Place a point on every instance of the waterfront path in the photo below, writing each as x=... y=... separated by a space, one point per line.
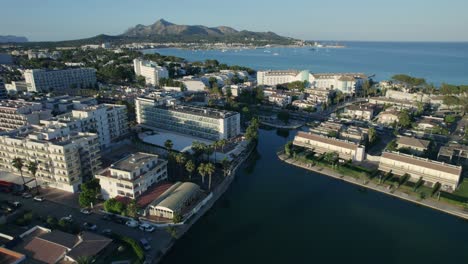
x=431 y=203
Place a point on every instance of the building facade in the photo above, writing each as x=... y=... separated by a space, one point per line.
x=150 y=70
x=270 y=77
x=132 y=175
x=347 y=83
x=429 y=170
x=18 y=113
x=202 y=122
x=39 y=80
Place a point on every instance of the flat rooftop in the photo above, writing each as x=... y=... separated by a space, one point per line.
x=133 y=161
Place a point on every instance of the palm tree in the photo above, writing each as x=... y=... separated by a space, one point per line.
x=168 y=145
x=225 y=164
x=209 y=151
x=190 y=167
x=209 y=169
x=19 y=164
x=32 y=168
x=222 y=143
x=201 y=171
x=84 y=260
x=181 y=159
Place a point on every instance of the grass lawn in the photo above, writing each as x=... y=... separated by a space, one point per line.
x=462 y=189
x=113 y=254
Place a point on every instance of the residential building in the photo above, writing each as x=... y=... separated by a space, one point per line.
x=270 y=77
x=395 y=103
x=19 y=113
x=318 y=96
x=303 y=104
x=359 y=112
x=15 y=87
x=202 y=122
x=63 y=157
x=429 y=170
x=414 y=145
x=388 y=117
x=354 y=134
x=175 y=200
x=11 y=257
x=3 y=91
x=66 y=103
x=43 y=245
x=347 y=83
x=40 y=80
x=132 y=175
x=322 y=144
x=280 y=99
x=193 y=84
x=150 y=70
x=454 y=154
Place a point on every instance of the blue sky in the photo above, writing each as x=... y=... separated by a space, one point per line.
x=398 y=20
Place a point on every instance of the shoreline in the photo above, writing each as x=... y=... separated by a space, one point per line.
x=217 y=194
x=441 y=207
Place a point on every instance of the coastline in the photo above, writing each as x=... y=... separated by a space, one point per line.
x=217 y=192
x=441 y=207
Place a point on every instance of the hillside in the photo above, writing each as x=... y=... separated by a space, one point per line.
x=12 y=39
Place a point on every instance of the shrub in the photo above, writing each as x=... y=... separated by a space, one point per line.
x=132 y=243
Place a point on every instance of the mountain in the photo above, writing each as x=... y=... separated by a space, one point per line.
x=164 y=31
x=11 y=39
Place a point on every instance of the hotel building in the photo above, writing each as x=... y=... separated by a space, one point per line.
x=132 y=175
x=18 y=113
x=202 y=122
x=270 y=77
x=150 y=70
x=39 y=80
x=347 y=83
x=429 y=170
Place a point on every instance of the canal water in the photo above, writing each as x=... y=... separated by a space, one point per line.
x=277 y=213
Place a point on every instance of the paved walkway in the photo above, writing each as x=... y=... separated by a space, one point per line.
x=440 y=206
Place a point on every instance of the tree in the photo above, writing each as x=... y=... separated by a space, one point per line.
x=19 y=164
x=114 y=206
x=392 y=145
x=168 y=145
x=403 y=179
x=404 y=118
x=222 y=143
x=372 y=135
x=190 y=167
x=331 y=157
x=177 y=218
x=181 y=159
x=225 y=164
x=288 y=148
x=201 y=171
x=84 y=260
x=89 y=192
x=32 y=168
x=449 y=119
x=283 y=116
x=251 y=133
x=209 y=169
x=132 y=209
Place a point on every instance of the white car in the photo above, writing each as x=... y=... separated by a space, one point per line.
x=131 y=223
x=67 y=218
x=85 y=211
x=38 y=198
x=146 y=227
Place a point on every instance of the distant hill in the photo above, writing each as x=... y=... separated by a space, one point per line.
x=163 y=31
x=11 y=39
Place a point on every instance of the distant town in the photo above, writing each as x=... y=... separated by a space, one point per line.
x=110 y=154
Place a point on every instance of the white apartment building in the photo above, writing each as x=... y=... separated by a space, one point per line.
x=360 y=112
x=63 y=157
x=150 y=70
x=270 y=77
x=323 y=144
x=348 y=83
x=132 y=175
x=40 y=80
x=202 y=122
x=107 y=120
x=18 y=113
x=318 y=96
x=429 y=170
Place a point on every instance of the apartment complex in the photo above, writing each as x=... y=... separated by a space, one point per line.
x=348 y=83
x=360 y=112
x=202 y=122
x=63 y=157
x=107 y=120
x=270 y=77
x=18 y=113
x=39 y=80
x=132 y=175
x=318 y=96
x=430 y=171
x=3 y=91
x=322 y=144
x=150 y=70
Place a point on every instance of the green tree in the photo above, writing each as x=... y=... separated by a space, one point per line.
x=89 y=192
x=225 y=164
x=449 y=119
x=132 y=209
x=288 y=148
x=404 y=119
x=372 y=135
x=181 y=159
x=177 y=218
x=251 y=132
x=392 y=145
x=190 y=168
x=32 y=168
x=202 y=171
x=168 y=145
x=19 y=164
x=331 y=158
x=209 y=169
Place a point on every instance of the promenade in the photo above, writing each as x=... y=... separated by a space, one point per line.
x=431 y=203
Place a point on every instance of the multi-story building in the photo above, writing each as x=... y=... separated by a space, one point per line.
x=348 y=83
x=323 y=144
x=202 y=122
x=270 y=77
x=454 y=153
x=107 y=120
x=3 y=91
x=318 y=96
x=18 y=113
x=360 y=112
x=388 y=117
x=132 y=175
x=429 y=170
x=150 y=70
x=63 y=157
x=66 y=103
x=40 y=80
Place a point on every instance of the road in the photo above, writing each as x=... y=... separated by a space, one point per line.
x=158 y=239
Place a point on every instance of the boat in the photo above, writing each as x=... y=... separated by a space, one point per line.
x=275 y=54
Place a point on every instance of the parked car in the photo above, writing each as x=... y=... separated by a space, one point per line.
x=106 y=217
x=90 y=226
x=106 y=232
x=119 y=220
x=144 y=243
x=38 y=198
x=146 y=227
x=15 y=204
x=27 y=195
x=85 y=211
x=67 y=218
x=131 y=223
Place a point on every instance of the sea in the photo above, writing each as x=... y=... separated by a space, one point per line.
x=276 y=213
x=437 y=62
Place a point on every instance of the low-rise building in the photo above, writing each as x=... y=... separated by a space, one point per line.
x=323 y=144
x=395 y=103
x=429 y=170
x=388 y=117
x=280 y=99
x=175 y=200
x=414 y=145
x=360 y=112
x=303 y=104
x=132 y=175
x=18 y=113
x=319 y=96
x=454 y=154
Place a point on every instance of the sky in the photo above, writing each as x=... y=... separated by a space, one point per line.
x=365 y=20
